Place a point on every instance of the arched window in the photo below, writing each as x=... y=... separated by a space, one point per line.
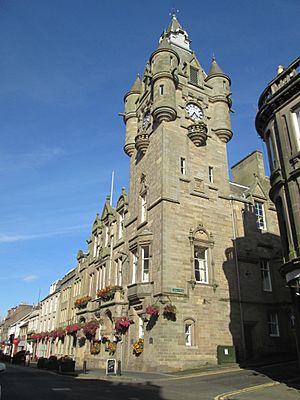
x=189 y=332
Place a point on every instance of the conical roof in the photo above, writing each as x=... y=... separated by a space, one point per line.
x=137 y=86
x=215 y=68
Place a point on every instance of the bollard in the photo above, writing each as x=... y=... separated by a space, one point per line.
x=84 y=367
x=119 y=371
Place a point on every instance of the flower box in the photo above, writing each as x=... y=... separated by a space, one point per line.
x=152 y=310
x=122 y=325
x=82 y=302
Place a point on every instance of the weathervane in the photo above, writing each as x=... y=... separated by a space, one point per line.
x=174 y=11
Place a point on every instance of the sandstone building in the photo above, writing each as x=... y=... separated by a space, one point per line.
x=184 y=270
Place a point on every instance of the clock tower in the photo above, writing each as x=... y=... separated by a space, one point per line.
x=179 y=220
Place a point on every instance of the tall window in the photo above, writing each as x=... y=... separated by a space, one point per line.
x=211 y=174
x=134 y=266
x=143 y=207
x=273 y=326
x=182 y=166
x=141 y=328
x=91 y=284
x=106 y=236
x=121 y=224
x=194 y=75
x=271 y=152
x=200 y=264
x=296 y=122
x=95 y=246
x=118 y=273
x=161 y=90
x=265 y=275
x=260 y=215
x=188 y=333
x=145 y=264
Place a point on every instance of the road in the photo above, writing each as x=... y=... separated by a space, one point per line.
x=23 y=383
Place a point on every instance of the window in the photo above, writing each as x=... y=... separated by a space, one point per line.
x=188 y=334
x=134 y=266
x=91 y=284
x=145 y=264
x=271 y=152
x=273 y=326
x=141 y=328
x=211 y=174
x=103 y=283
x=121 y=224
x=95 y=246
x=260 y=215
x=200 y=264
x=143 y=207
x=161 y=90
x=265 y=275
x=296 y=123
x=194 y=75
x=182 y=166
x=118 y=273
x=106 y=235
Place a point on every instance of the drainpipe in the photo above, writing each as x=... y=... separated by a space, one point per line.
x=236 y=261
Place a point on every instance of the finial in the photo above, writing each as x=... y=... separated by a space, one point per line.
x=280 y=69
x=213 y=57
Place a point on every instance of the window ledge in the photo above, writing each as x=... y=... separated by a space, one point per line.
x=184 y=179
x=142 y=224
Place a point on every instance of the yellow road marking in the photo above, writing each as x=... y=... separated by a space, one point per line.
x=245 y=390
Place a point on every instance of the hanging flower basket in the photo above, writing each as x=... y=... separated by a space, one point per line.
x=152 y=310
x=108 y=293
x=138 y=347
x=111 y=347
x=170 y=312
x=70 y=329
x=95 y=347
x=122 y=325
x=90 y=328
x=82 y=302
x=57 y=333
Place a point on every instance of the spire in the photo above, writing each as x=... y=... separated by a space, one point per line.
x=174 y=25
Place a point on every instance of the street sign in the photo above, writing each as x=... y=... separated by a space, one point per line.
x=111 y=366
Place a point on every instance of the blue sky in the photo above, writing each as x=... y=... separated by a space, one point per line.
x=65 y=66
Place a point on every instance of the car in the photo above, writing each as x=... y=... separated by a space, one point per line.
x=19 y=357
x=2 y=368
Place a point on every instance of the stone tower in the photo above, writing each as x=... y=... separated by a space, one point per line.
x=179 y=221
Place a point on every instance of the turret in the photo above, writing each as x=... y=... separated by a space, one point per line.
x=164 y=63
x=220 y=84
x=130 y=116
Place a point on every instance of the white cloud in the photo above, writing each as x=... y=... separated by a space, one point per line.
x=29 y=278
x=20 y=237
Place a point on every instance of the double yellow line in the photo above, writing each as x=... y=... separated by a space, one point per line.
x=224 y=396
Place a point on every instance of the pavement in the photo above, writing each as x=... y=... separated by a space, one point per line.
x=282 y=386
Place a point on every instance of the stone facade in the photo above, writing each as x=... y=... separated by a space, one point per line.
x=184 y=270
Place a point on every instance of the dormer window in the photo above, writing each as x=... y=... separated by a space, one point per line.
x=194 y=75
x=260 y=215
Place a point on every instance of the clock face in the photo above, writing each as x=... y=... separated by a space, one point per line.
x=194 y=112
x=146 y=120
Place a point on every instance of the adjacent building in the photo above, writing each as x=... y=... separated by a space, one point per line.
x=278 y=123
